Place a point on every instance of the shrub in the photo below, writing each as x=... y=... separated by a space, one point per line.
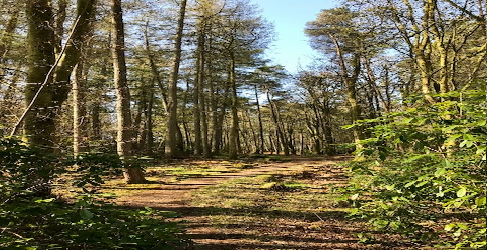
x=30 y=221
x=425 y=168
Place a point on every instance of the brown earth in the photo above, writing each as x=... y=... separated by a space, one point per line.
x=220 y=227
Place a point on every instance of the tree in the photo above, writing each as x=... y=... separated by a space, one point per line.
x=336 y=28
x=173 y=129
x=124 y=119
x=49 y=77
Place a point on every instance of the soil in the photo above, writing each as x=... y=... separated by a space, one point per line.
x=326 y=229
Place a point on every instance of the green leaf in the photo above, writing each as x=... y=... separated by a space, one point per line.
x=86 y=214
x=461 y=192
x=44 y=200
x=408 y=120
x=468 y=137
x=410 y=183
x=453 y=137
x=354 y=197
x=480 y=201
x=450 y=128
x=480 y=150
x=446 y=163
x=449 y=227
x=440 y=172
x=466 y=143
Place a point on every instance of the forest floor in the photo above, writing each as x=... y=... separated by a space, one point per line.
x=267 y=203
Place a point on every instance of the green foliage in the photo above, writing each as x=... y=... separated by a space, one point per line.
x=89 y=169
x=28 y=221
x=24 y=170
x=423 y=174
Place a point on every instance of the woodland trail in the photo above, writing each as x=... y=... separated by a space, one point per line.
x=217 y=226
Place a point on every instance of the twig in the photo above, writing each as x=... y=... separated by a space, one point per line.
x=319 y=217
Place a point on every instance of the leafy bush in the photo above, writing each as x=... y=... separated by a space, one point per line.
x=30 y=221
x=423 y=172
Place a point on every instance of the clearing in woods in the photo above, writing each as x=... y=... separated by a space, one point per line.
x=269 y=203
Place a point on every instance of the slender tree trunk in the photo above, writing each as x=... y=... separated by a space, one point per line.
x=60 y=17
x=278 y=123
x=301 y=140
x=141 y=105
x=172 y=137
x=327 y=131
x=124 y=119
x=148 y=129
x=154 y=70
x=200 y=63
x=80 y=119
x=350 y=81
x=96 y=121
x=260 y=149
x=252 y=131
x=233 y=143
x=7 y=38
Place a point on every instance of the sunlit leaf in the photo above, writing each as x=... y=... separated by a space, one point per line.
x=440 y=172
x=449 y=227
x=480 y=201
x=461 y=192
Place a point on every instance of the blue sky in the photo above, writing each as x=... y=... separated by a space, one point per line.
x=291 y=47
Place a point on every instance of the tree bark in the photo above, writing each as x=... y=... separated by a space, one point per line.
x=279 y=126
x=39 y=126
x=198 y=148
x=80 y=119
x=261 y=148
x=233 y=143
x=124 y=119
x=172 y=138
x=42 y=97
x=350 y=81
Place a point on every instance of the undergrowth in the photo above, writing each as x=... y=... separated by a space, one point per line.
x=32 y=218
x=423 y=172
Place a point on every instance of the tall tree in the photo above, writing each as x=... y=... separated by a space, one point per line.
x=49 y=77
x=39 y=126
x=124 y=120
x=173 y=129
x=336 y=28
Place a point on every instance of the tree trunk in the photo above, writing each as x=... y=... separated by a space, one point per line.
x=124 y=119
x=44 y=98
x=278 y=123
x=350 y=82
x=148 y=128
x=327 y=131
x=172 y=138
x=39 y=126
x=200 y=63
x=72 y=55
x=261 y=148
x=7 y=38
x=233 y=143
x=80 y=119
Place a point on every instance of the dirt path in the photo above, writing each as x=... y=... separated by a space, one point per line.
x=255 y=228
x=174 y=196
